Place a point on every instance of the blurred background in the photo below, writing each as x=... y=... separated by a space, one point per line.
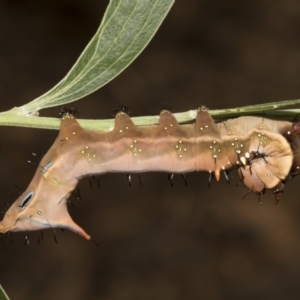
x=156 y=242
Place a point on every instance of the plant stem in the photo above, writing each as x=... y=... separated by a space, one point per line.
x=15 y=117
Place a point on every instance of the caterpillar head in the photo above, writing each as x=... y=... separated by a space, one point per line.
x=268 y=163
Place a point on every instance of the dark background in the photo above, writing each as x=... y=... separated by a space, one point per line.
x=156 y=242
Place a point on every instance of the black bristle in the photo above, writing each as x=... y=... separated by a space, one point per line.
x=184 y=178
x=129 y=179
x=248 y=193
x=54 y=236
x=120 y=108
x=95 y=243
x=76 y=195
x=140 y=181
x=26 y=239
x=259 y=199
x=68 y=110
x=210 y=177
x=226 y=176
x=170 y=178
x=93 y=177
x=168 y=107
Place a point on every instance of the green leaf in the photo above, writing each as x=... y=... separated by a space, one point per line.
x=3 y=295
x=126 y=29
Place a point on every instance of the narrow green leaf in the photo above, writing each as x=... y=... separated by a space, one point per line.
x=3 y=295
x=126 y=29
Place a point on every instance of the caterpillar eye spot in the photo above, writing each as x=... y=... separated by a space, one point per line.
x=26 y=200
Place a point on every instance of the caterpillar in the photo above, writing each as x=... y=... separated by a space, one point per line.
x=264 y=152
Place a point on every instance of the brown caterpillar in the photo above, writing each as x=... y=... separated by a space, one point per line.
x=264 y=151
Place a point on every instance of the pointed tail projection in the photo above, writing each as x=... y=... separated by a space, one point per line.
x=265 y=153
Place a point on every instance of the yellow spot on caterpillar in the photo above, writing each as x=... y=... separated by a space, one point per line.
x=235 y=139
x=206 y=126
x=288 y=132
x=171 y=125
x=247 y=155
x=88 y=153
x=74 y=132
x=180 y=148
x=201 y=128
x=241 y=145
x=238 y=151
x=56 y=179
x=120 y=130
x=135 y=150
x=215 y=156
x=166 y=128
x=126 y=127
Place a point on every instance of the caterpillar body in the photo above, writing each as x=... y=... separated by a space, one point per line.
x=265 y=153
